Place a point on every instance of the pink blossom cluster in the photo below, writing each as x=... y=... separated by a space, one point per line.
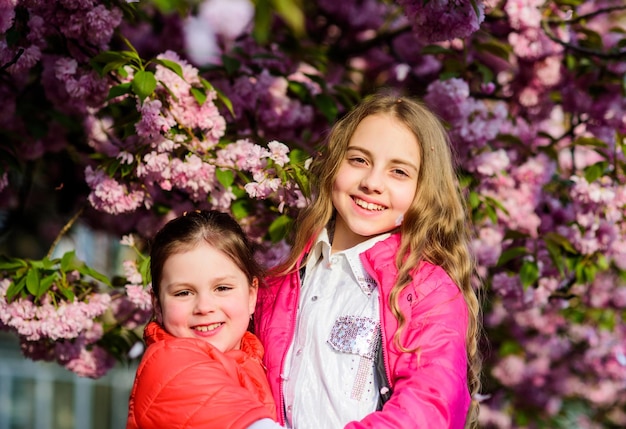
x=61 y=320
x=63 y=331
x=474 y=122
x=264 y=98
x=111 y=196
x=600 y=222
x=184 y=108
x=439 y=20
x=133 y=307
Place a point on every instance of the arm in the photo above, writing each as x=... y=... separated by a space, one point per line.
x=265 y=424
x=430 y=385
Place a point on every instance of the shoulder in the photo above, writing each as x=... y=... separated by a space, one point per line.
x=178 y=357
x=429 y=278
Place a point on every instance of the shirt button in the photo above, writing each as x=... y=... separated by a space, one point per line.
x=314 y=298
x=299 y=352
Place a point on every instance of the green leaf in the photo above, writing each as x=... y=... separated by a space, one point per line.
x=11 y=264
x=485 y=72
x=88 y=271
x=113 y=65
x=510 y=254
x=473 y=199
x=301 y=176
x=67 y=261
x=230 y=64
x=240 y=209
x=144 y=270
x=199 y=95
x=143 y=84
x=298 y=156
x=590 y=141
x=561 y=241
x=591 y=39
x=590 y=270
x=491 y=214
x=15 y=288
x=225 y=177
x=291 y=12
x=45 y=284
x=494 y=47
x=327 y=106
x=262 y=21
x=279 y=228
x=556 y=256
x=172 y=65
x=299 y=89
x=595 y=171
x=67 y=292
x=510 y=347
x=220 y=95
x=118 y=90
x=32 y=281
x=529 y=273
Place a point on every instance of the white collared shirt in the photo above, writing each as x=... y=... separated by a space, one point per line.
x=328 y=379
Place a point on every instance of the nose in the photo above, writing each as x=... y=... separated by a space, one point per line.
x=373 y=181
x=203 y=304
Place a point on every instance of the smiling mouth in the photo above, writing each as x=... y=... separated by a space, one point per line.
x=368 y=206
x=207 y=328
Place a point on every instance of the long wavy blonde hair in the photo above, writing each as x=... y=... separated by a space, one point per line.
x=435 y=227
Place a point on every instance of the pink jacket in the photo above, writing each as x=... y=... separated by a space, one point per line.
x=429 y=386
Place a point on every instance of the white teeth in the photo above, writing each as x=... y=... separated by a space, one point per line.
x=368 y=206
x=207 y=328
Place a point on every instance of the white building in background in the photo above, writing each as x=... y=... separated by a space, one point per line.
x=42 y=395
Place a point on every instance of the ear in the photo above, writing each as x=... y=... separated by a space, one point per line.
x=157 y=314
x=254 y=289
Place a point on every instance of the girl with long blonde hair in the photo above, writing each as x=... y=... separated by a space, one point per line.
x=372 y=321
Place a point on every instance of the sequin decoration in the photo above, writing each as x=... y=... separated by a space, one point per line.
x=356 y=335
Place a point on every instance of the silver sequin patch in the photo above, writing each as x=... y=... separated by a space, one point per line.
x=356 y=335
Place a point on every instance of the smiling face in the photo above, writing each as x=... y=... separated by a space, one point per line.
x=204 y=295
x=376 y=181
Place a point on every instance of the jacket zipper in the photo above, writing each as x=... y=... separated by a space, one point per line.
x=386 y=384
x=301 y=272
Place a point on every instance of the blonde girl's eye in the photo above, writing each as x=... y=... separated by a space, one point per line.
x=182 y=293
x=357 y=160
x=400 y=172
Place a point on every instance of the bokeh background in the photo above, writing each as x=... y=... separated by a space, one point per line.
x=119 y=115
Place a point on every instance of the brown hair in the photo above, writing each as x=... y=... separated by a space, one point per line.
x=218 y=229
x=435 y=227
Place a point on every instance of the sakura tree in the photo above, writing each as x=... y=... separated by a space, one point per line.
x=121 y=115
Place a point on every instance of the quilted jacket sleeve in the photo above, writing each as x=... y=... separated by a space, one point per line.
x=429 y=385
x=181 y=386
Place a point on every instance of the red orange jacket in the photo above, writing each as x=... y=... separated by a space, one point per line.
x=187 y=383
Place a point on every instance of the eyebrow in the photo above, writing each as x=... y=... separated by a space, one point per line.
x=393 y=161
x=217 y=280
